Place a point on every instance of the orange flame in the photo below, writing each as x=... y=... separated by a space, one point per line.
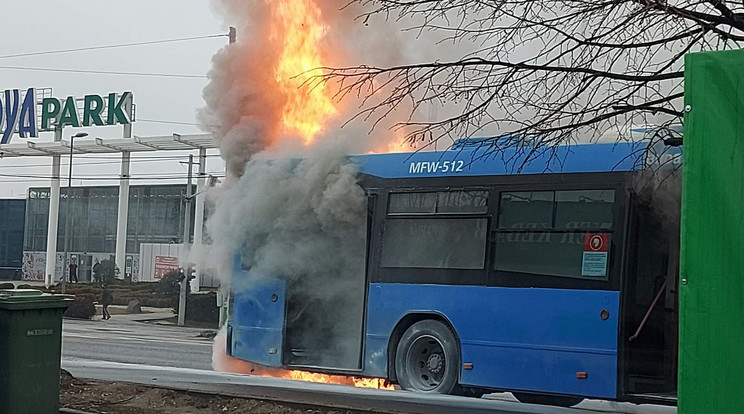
x=378 y=383
x=399 y=143
x=299 y=29
x=225 y=363
x=243 y=367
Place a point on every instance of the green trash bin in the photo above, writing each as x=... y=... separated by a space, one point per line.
x=30 y=351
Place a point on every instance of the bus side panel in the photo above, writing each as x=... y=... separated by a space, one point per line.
x=526 y=339
x=257 y=327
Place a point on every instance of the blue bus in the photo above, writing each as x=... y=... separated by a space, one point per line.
x=552 y=277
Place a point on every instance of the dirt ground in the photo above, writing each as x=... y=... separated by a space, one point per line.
x=122 y=398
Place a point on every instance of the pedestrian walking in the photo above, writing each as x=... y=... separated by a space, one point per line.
x=106 y=299
x=73 y=272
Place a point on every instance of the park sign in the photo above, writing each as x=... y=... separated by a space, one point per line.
x=28 y=112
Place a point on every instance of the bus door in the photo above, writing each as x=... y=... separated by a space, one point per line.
x=650 y=305
x=255 y=332
x=325 y=312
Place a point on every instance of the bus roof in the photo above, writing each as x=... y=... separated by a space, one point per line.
x=484 y=160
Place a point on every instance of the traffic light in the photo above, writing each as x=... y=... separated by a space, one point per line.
x=191 y=272
x=181 y=275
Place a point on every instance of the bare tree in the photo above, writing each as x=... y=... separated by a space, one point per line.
x=545 y=71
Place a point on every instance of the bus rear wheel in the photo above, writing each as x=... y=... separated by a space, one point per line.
x=427 y=358
x=556 y=400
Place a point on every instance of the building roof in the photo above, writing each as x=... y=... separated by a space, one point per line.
x=173 y=142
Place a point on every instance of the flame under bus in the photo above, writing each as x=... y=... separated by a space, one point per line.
x=553 y=279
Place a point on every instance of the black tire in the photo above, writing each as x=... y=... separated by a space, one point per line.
x=427 y=358
x=556 y=400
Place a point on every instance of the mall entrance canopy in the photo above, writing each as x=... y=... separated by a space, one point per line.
x=123 y=146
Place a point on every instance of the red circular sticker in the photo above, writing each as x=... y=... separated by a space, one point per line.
x=596 y=242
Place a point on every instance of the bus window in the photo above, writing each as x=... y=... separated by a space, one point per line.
x=412 y=203
x=547 y=253
x=526 y=210
x=584 y=209
x=462 y=202
x=441 y=202
x=443 y=243
x=555 y=233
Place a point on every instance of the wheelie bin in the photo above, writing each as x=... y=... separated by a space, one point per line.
x=30 y=350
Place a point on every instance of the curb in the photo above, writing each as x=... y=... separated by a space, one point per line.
x=71 y=411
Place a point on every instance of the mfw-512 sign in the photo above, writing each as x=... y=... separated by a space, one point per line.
x=25 y=113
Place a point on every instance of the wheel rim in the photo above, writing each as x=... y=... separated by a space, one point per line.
x=426 y=363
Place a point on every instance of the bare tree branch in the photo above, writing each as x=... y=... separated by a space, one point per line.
x=547 y=71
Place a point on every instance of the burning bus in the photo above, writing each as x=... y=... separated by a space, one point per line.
x=552 y=277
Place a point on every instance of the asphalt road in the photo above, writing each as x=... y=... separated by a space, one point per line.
x=122 y=339
x=125 y=350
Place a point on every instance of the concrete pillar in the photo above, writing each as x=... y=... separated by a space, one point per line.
x=201 y=184
x=123 y=214
x=51 y=250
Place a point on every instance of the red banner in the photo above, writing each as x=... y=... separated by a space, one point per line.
x=164 y=265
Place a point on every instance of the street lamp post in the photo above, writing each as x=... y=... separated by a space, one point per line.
x=68 y=212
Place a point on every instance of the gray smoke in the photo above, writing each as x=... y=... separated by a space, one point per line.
x=242 y=110
x=302 y=221
x=243 y=106
x=660 y=183
x=295 y=213
x=283 y=211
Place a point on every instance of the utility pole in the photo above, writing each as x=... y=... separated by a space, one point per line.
x=186 y=243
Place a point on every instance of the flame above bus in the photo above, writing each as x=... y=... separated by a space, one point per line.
x=298 y=29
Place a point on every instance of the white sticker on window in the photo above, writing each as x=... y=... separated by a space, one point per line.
x=596 y=251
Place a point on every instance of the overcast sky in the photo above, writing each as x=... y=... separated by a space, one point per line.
x=43 y=25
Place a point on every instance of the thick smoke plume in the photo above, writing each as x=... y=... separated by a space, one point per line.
x=291 y=205
x=245 y=99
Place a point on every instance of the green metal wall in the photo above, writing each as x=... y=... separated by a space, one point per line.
x=711 y=370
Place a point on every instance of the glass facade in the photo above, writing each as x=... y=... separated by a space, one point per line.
x=156 y=215
x=12 y=215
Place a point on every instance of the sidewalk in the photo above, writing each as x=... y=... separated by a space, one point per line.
x=119 y=312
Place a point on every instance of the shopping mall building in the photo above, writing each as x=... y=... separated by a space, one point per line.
x=12 y=217
x=155 y=231
x=140 y=227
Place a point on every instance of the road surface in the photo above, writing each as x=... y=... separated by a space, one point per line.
x=122 y=349
x=122 y=339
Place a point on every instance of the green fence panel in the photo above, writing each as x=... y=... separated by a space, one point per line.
x=711 y=369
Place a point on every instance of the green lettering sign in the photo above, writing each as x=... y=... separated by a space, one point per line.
x=49 y=110
x=69 y=115
x=87 y=111
x=92 y=110
x=116 y=114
